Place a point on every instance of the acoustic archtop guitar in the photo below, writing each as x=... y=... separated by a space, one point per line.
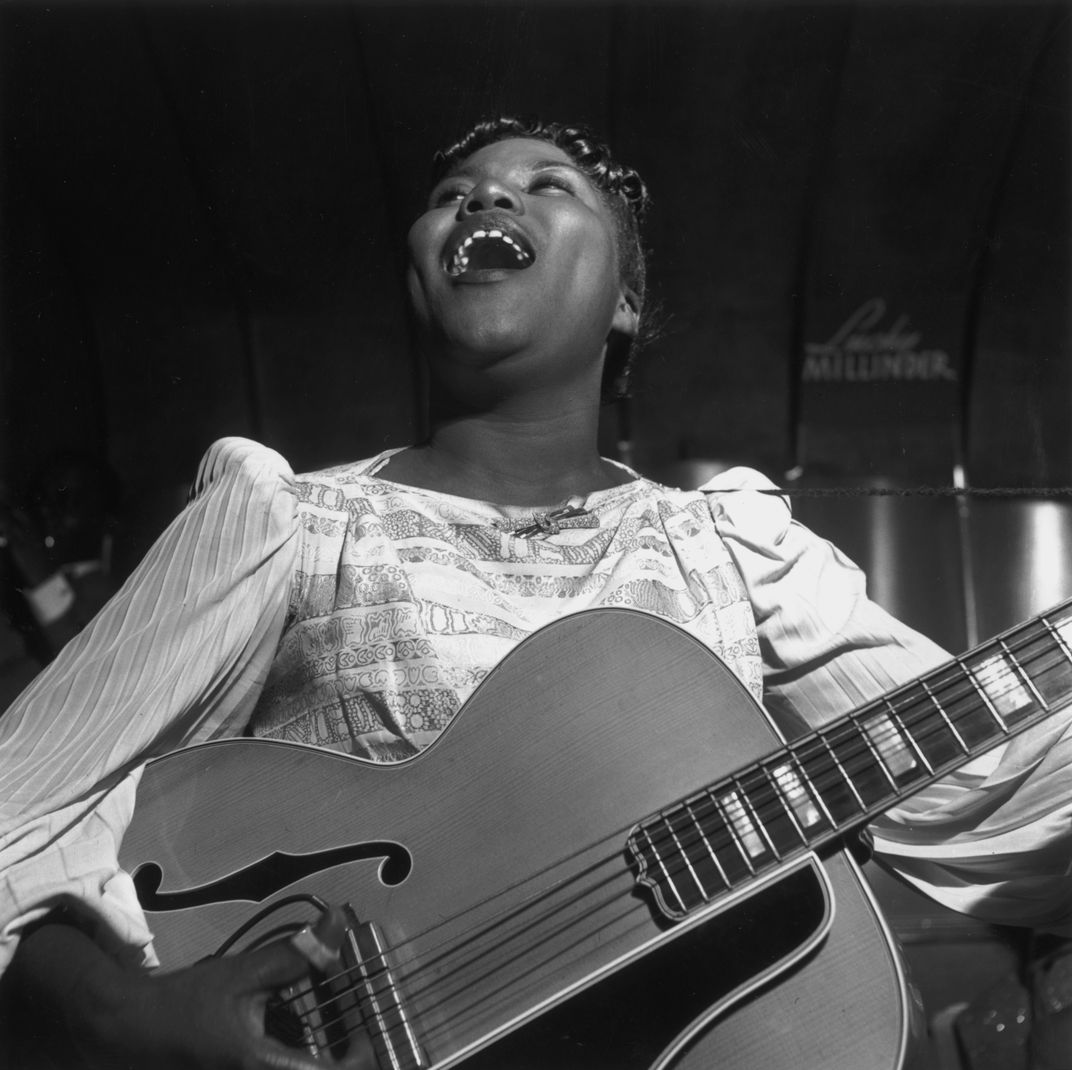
x=610 y=859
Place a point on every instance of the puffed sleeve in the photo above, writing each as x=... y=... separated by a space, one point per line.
x=993 y=839
x=178 y=656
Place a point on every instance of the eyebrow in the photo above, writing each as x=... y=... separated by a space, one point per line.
x=546 y=165
x=537 y=165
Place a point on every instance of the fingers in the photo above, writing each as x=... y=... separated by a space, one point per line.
x=272 y=1055
x=321 y=942
x=277 y=1057
x=284 y=961
x=272 y=967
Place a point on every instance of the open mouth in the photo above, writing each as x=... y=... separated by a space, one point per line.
x=489 y=249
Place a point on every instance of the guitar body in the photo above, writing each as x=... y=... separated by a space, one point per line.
x=494 y=865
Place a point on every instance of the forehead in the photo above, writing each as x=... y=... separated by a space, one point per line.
x=516 y=153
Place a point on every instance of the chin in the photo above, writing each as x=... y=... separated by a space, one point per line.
x=483 y=337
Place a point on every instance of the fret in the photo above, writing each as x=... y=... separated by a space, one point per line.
x=797 y=800
x=1011 y=658
x=775 y=776
x=772 y=815
x=845 y=776
x=835 y=779
x=722 y=876
x=981 y=690
x=1054 y=679
x=825 y=773
x=689 y=899
x=1062 y=631
x=875 y=753
x=742 y=827
x=1001 y=688
x=694 y=869
x=736 y=862
x=811 y=791
x=896 y=718
x=964 y=702
x=889 y=747
x=929 y=729
x=758 y=824
x=849 y=742
x=941 y=713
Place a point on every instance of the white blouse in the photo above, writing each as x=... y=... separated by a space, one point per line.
x=348 y=611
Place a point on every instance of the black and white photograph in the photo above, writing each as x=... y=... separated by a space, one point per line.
x=536 y=535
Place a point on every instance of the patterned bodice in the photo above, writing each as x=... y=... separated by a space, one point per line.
x=403 y=600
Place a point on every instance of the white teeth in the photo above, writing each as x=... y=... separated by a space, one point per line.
x=460 y=261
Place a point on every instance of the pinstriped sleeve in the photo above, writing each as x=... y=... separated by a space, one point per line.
x=826 y=647
x=178 y=656
x=992 y=839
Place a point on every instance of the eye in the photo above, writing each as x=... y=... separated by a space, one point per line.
x=551 y=183
x=448 y=195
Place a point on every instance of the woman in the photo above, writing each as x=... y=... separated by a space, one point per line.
x=358 y=608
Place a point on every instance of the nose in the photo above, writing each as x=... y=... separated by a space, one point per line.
x=491 y=193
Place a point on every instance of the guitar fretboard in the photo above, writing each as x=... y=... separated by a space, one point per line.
x=836 y=779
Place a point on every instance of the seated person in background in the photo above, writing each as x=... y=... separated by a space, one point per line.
x=358 y=608
x=58 y=563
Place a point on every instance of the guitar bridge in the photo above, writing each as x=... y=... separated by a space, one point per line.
x=323 y=1016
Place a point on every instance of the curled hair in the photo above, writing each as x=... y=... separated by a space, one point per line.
x=623 y=191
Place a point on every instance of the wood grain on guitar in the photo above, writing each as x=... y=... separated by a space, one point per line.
x=611 y=858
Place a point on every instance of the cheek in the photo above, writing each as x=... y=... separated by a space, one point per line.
x=595 y=266
x=421 y=243
x=425 y=240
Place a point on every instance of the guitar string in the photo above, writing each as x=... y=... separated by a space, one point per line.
x=480 y=997
x=355 y=1005
x=862 y=758
x=886 y=733
x=863 y=750
x=482 y=962
x=964 y=691
x=451 y=940
x=450 y=937
x=484 y=999
x=637 y=910
x=483 y=1004
x=774 y=802
x=552 y=910
x=911 y=710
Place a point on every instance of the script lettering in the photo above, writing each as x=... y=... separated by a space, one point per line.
x=863 y=350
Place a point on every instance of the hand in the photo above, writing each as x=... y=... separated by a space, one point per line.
x=212 y=1015
x=89 y=1012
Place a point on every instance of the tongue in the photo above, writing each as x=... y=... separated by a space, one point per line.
x=486 y=253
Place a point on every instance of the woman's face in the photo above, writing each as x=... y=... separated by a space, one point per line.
x=516 y=253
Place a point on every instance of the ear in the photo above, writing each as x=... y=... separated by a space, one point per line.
x=627 y=312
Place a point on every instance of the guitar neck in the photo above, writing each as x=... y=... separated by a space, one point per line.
x=836 y=779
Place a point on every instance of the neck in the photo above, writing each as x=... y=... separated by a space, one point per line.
x=511 y=456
